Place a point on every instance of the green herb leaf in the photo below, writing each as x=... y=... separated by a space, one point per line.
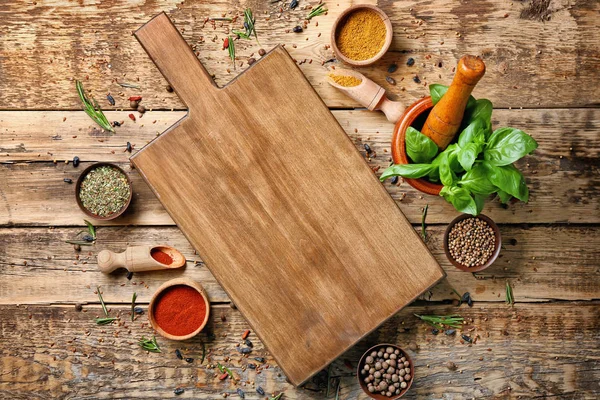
x=507 y=145
x=509 y=295
x=419 y=147
x=479 y=202
x=149 y=345
x=407 y=171
x=318 y=10
x=460 y=198
x=447 y=176
x=102 y=301
x=133 y=305
x=91 y=228
x=482 y=110
x=437 y=91
x=508 y=179
x=231 y=50
x=437 y=321
x=278 y=397
x=474 y=132
x=92 y=109
x=468 y=154
x=225 y=369
x=423 y=226
x=105 y=321
x=476 y=181
x=504 y=197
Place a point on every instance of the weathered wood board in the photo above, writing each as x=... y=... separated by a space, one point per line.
x=529 y=351
x=531 y=62
x=562 y=173
x=542 y=263
x=244 y=178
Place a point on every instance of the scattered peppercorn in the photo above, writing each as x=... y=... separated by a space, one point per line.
x=78 y=307
x=466 y=298
x=116 y=123
x=410 y=62
x=241 y=393
x=129 y=276
x=293 y=4
x=435 y=331
x=67 y=180
x=260 y=391
x=134 y=104
x=244 y=350
x=416 y=79
x=75 y=161
x=251 y=60
x=260 y=359
x=129 y=148
x=189 y=360
x=178 y=391
x=297 y=29
x=141 y=109
x=450 y=332
x=249 y=343
x=110 y=99
x=138 y=310
x=169 y=88
x=392 y=68
x=368 y=149
x=467 y=338
x=178 y=354
x=261 y=52
x=88 y=238
x=394 y=180
x=252 y=366
x=390 y=80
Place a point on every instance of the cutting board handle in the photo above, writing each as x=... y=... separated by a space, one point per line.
x=174 y=58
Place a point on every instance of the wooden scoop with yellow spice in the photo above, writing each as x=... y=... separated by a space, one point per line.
x=366 y=92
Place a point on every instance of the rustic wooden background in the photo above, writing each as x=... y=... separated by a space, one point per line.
x=543 y=60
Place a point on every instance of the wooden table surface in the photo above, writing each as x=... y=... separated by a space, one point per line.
x=543 y=68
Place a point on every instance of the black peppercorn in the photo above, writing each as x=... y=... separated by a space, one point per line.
x=75 y=161
x=410 y=62
x=297 y=29
x=392 y=68
x=416 y=79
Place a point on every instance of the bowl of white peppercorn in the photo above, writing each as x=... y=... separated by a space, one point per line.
x=472 y=243
x=385 y=372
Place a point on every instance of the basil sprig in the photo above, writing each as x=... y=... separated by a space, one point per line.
x=478 y=165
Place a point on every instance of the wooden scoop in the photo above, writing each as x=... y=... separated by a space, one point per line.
x=445 y=117
x=369 y=94
x=138 y=259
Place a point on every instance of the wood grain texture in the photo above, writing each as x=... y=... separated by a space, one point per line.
x=530 y=63
x=528 y=351
x=563 y=175
x=242 y=177
x=542 y=263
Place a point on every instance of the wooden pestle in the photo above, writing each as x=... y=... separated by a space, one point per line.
x=445 y=117
x=138 y=259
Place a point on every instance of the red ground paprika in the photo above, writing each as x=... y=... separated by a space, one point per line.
x=161 y=256
x=179 y=310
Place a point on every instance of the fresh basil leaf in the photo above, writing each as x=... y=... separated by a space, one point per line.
x=482 y=111
x=477 y=182
x=452 y=153
x=419 y=147
x=468 y=154
x=504 y=197
x=508 y=179
x=474 y=132
x=447 y=176
x=460 y=198
x=479 y=202
x=407 y=171
x=507 y=145
x=437 y=91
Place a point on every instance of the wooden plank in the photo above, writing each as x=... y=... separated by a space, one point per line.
x=528 y=351
x=530 y=63
x=542 y=263
x=562 y=174
x=249 y=191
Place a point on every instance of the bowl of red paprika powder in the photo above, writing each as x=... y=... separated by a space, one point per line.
x=179 y=309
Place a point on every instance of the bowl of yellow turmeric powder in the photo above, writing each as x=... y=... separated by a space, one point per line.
x=361 y=35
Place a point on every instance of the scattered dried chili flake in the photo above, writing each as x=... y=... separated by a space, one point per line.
x=132 y=117
x=245 y=334
x=135 y=98
x=223 y=376
x=226 y=43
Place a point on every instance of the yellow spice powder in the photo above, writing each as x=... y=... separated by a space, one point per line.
x=361 y=35
x=345 y=80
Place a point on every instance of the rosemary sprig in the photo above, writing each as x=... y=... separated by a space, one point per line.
x=277 y=397
x=133 y=305
x=423 y=233
x=318 y=10
x=231 y=49
x=509 y=294
x=225 y=369
x=93 y=110
x=240 y=34
x=203 y=353
x=328 y=380
x=105 y=321
x=102 y=301
x=337 y=392
x=249 y=27
x=127 y=85
x=452 y=321
x=149 y=344
x=91 y=229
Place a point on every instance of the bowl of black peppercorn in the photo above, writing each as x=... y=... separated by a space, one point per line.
x=385 y=372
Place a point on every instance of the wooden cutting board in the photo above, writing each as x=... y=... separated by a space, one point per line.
x=285 y=212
